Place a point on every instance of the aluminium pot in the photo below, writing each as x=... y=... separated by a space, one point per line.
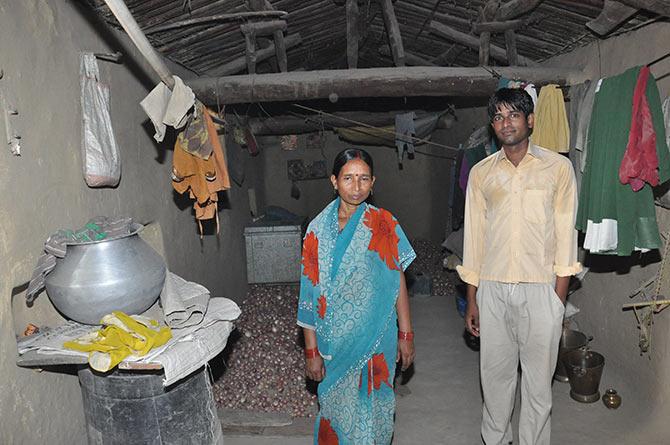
x=98 y=277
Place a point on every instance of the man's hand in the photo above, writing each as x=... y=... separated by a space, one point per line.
x=472 y=317
x=314 y=368
x=562 y=285
x=405 y=354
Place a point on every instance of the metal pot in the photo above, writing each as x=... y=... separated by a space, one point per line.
x=570 y=340
x=96 y=278
x=584 y=368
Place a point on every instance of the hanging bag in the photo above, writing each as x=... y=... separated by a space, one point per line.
x=100 y=154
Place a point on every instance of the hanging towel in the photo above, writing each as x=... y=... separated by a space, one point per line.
x=404 y=132
x=551 y=129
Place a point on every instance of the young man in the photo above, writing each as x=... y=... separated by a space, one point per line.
x=520 y=249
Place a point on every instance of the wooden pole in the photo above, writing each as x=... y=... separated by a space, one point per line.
x=250 y=41
x=216 y=18
x=278 y=125
x=410 y=59
x=263 y=28
x=510 y=46
x=352 y=33
x=515 y=8
x=393 y=32
x=370 y=82
x=125 y=18
x=473 y=42
x=239 y=64
x=478 y=28
x=280 y=44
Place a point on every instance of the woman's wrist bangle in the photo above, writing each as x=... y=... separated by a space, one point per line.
x=409 y=336
x=311 y=353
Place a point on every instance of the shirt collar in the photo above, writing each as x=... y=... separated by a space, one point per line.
x=533 y=150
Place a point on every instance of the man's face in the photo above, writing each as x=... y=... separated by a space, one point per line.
x=511 y=126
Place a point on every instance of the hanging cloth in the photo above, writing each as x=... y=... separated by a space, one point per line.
x=603 y=199
x=551 y=129
x=202 y=178
x=640 y=163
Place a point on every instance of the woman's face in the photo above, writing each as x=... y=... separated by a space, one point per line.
x=354 y=182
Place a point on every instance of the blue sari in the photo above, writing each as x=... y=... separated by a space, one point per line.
x=349 y=285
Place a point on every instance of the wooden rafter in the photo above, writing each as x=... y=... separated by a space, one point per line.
x=352 y=33
x=516 y=8
x=239 y=64
x=472 y=42
x=488 y=12
x=410 y=58
x=393 y=32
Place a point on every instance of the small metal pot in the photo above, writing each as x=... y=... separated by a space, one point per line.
x=611 y=399
x=98 y=277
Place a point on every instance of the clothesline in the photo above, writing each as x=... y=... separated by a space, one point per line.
x=380 y=129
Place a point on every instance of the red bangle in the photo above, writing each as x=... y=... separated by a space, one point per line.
x=311 y=353
x=409 y=336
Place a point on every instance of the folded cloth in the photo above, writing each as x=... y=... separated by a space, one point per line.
x=184 y=302
x=122 y=335
x=193 y=346
x=96 y=229
x=165 y=107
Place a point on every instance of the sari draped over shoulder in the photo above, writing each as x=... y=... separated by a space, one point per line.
x=349 y=286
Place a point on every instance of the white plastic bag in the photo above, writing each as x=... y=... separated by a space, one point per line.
x=100 y=154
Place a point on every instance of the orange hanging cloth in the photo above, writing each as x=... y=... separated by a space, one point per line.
x=202 y=178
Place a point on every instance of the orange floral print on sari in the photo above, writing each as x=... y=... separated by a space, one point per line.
x=378 y=373
x=322 y=307
x=327 y=435
x=384 y=240
x=310 y=258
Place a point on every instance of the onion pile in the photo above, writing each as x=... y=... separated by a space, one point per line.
x=428 y=260
x=266 y=365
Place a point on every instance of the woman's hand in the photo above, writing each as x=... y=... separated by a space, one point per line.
x=314 y=368
x=405 y=353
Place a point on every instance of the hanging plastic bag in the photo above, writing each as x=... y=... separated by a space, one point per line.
x=100 y=154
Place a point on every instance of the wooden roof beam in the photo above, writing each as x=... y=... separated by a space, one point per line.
x=393 y=32
x=410 y=58
x=371 y=82
x=239 y=64
x=516 y=8
x=352 y=33
x=473 y=42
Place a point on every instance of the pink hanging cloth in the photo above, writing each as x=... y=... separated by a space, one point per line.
x=640 y=161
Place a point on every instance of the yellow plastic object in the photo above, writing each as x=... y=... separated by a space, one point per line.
x=121 y=336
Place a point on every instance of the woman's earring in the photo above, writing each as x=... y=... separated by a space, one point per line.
x=372 y=192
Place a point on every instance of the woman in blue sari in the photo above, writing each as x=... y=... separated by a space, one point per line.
x=354 y=308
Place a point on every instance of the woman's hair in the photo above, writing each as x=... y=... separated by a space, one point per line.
x=515 y=99
x=347 y=155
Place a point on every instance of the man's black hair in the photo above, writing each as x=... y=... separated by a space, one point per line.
x=515 y=99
